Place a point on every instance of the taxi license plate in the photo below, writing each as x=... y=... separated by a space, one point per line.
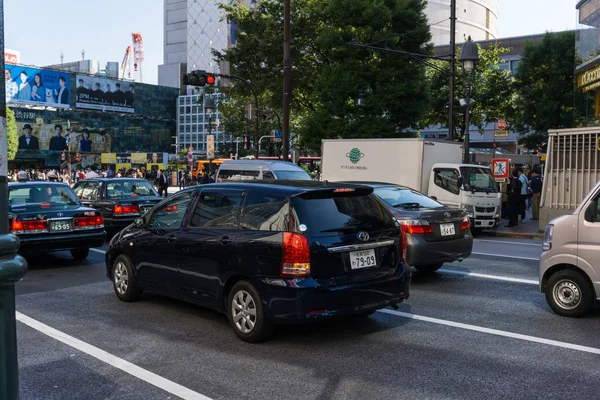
x=362 y=259
x=447 y=229
x=60 y=226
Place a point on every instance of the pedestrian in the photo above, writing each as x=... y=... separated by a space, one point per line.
x=524 y=192
x=514 y=200
x=163 y=184
x=536 y=189
x=180 y=179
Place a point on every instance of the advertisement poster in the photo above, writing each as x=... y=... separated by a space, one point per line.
x=109 y=158
x=138 y=158
x=34 y=86
x=3 y=148
x=54 y=137
x=104 y=94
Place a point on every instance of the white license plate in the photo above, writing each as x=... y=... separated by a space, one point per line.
x=447 y=229
x=362 y=259
x=60 y=226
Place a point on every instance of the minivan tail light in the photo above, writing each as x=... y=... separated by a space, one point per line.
x=466 y=223
x=126 y=210
x=547 y=243
x=295 y=261
x=415 y=226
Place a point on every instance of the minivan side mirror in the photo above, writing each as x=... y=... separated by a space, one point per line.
x=590 y=212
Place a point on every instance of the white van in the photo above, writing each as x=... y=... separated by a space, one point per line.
x=238 y=170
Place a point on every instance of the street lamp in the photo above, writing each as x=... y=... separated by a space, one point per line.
x=469 y=55
x=209 y=108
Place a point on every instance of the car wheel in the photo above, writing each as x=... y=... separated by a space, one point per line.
x=80 y=254
x=569 y=294
x=428 y=268
x=124 y=280
x=246 y=315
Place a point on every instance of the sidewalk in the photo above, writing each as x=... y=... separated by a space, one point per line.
x=527 y=229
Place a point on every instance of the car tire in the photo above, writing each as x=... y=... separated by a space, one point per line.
x=427 y=269
x=80 y=254
x=123 y=280
x=246 y=313
x=569 y=294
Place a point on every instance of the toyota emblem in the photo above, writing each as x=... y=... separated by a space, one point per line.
x=364 y=236
x=447 y=214
x=60 y=214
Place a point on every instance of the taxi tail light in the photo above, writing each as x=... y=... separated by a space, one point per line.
x=415 y=226
x=404 y=244
x=466 y=223
x=126 y=210
x=295 y=260
x=33 y=226
x=92 y=222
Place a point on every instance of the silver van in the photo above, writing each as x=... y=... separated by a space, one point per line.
x=238 y=170
x=570 y=262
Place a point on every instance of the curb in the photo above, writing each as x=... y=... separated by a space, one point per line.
x=514 y=235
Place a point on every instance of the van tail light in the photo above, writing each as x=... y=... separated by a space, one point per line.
x=404 y=244
x=466 y=223
x=32 y=226
x=415 y=226
x=295 y=261
x=92 y=222
x=121 y=210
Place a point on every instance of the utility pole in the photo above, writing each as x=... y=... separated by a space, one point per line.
x=287 y=78
x=12 y=266
x=452 y=68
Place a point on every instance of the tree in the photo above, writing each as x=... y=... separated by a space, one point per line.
x=545 y=86
x=339 y=90
x=11 y=133
x=491 y=90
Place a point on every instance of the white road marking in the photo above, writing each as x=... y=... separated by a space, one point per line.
x=509 y=242
x=99 y=251
x=124 y=365
x=504 y=256
x=485 y=276
x=490 y=331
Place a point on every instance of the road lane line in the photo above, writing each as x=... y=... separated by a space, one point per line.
x=124 y=365
x=490 y=331
x=485 y=276
x=509 y=242
x=98 y=251
x=502 y=255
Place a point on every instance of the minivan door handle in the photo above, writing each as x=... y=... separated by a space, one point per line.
x=225 y=241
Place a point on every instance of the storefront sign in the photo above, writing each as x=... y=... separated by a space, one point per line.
x=589 y=79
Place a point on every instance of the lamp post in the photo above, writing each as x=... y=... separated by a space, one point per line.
x=469 y=55
x=209 y=108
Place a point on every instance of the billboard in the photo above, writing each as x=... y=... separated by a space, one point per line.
x=57 y=137
x=104 y=94
x=34 y=86
x=12 y=56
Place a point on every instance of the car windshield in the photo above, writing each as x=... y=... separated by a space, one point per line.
x=129 y=188
x=478 y=180
x=405 y=198
x=292 y=175
x=31 y=198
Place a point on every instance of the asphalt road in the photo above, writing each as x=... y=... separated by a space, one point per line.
x=476 y=330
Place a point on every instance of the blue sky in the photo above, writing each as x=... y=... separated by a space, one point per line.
x=42 y=29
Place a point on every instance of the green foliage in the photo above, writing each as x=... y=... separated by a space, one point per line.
x=338 y=90
x=545 y=86
x=491 y=90
x=11 y=132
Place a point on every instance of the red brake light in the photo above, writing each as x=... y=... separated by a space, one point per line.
x=404 y=244
x=45 y=205
x=126 y=210
x=31 y=226
x=466 y=224
x=295 y=261
x=343 y=190
x=93 y=222
x=416 y=227
x=171 y=208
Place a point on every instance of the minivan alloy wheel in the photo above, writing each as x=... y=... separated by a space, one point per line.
x=243 y=311
x=566 y=294
x=121 y=278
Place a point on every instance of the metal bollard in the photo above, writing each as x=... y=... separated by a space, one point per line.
x=12 y=269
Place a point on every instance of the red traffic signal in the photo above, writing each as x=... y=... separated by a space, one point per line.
x=210 y=79
x=199 y=78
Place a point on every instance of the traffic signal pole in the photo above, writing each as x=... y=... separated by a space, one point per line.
x=287 y=79
x=12 y=266
x=452 y=68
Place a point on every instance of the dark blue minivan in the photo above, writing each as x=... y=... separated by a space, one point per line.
x=266 y=252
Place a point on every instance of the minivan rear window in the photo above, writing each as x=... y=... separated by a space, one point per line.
x=341 y=214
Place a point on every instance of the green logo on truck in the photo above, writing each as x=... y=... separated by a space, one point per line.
x=355 y=155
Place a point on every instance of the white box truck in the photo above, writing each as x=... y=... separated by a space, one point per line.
x=430 y=167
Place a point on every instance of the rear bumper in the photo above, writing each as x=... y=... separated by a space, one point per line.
x=66 y=241
x=114 y=225
x=289 y=300
x=421 y=252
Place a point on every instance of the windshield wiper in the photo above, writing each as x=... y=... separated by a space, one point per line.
x=407 y=205
x=341 y=229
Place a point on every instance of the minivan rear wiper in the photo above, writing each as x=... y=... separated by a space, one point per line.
x=407 y=205
x=341 y=229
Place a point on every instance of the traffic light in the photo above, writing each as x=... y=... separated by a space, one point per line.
x=199 y=78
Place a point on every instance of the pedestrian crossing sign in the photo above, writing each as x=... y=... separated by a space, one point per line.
x=500 y=168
